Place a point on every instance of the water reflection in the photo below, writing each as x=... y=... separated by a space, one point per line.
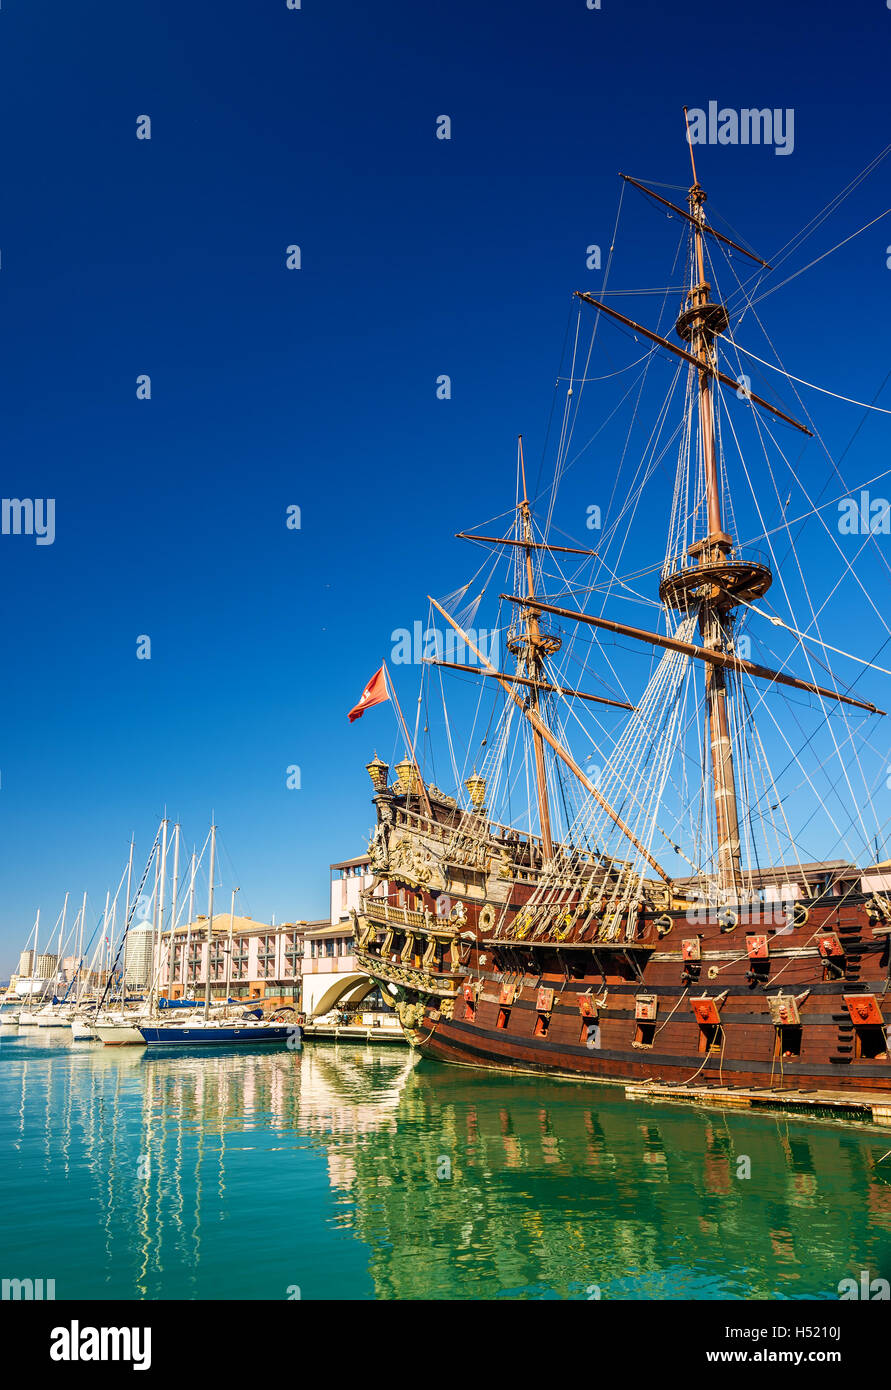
x=353 y=1172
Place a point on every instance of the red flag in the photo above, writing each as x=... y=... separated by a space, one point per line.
x=374 y=693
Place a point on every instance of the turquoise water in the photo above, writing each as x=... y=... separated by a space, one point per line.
x=355 y=1173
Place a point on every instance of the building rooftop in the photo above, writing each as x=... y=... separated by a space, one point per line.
x=352 y=863
x=317 y=930
x=241 y=926
x=833 y=869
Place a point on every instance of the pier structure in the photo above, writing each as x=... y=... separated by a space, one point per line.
x=339 y=996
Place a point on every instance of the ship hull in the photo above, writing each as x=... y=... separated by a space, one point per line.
x=119 y=1034
x=218 y=1036
x=474 y=1046
x=592 y=1029
x=796 y=998
x=786 y=989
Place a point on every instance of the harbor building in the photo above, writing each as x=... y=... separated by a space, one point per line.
x=266 y=961
x=335 y=987
x=35 y=974
x=138 y=955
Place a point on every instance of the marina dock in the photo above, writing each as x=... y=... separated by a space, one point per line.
x=855 y=1105
x=352 y=1032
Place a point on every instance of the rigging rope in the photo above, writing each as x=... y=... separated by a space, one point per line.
x=801 y=382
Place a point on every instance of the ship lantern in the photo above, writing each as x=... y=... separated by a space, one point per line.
x=476 y=786
x=378 y=771
x=407 y=776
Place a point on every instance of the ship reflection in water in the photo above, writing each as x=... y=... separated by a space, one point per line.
x=351 y=1172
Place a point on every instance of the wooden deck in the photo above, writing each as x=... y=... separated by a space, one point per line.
x=856 y=1105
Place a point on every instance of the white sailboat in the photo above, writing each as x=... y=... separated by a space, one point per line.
x=220 y=1030
x=83 y=1017
x=29 y=986
x=117 y=1028
x=56 y=1013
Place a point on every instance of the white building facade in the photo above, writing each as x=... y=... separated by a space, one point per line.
x=332 y=978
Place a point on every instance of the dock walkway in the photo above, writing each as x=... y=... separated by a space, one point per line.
x=352 y=1032
x=857 y=1105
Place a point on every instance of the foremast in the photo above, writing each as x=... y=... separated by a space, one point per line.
x=532 y=646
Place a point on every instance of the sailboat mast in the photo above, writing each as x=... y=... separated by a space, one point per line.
x=127 y=919
x=59 y=951
x=171 y=952
x=231 y=946
x=80 y=953
x=159 y=908
x=173 y=895
x=106 y=952
x=188 y=945
x=701 y=321
x=213 y=847
x=534 y=664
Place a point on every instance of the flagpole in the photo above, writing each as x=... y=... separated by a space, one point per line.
x=410 y=745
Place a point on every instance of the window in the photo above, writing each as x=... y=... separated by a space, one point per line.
x=790 y=1040
x=710 y=1037
x=871 y=1043
x=644 y=1034
x=503 y=1018
x=293 y=952
x=217 y=962
x=542 y=1024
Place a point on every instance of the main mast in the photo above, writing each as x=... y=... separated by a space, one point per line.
x=699 y=324
x=712 y=578
x=716 y=580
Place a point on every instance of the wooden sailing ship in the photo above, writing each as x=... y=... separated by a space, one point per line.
x=578 y=953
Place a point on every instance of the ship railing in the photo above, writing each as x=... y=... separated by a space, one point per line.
x=506 y=835
x=739 y=555
x=384 y=911
x=425 y=978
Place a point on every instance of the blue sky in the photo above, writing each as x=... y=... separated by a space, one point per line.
x=271 y=387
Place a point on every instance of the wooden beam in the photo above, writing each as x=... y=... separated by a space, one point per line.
x=527 y=545
x=567 y=758
x=672 y=644
x=689 y=357
x=525 y=680
x=710 y=231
